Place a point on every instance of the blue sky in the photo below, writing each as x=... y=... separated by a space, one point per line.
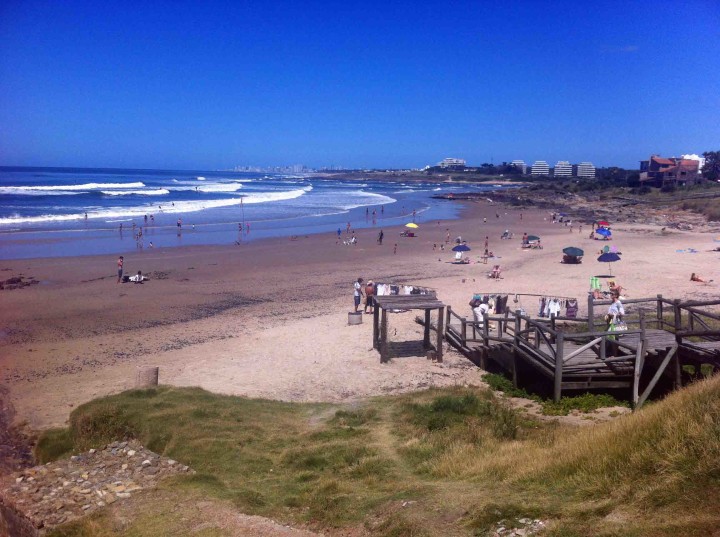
x=209 y=85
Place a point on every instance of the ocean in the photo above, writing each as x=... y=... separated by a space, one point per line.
x=51 y=212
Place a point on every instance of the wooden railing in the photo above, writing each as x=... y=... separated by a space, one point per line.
x=672 y=315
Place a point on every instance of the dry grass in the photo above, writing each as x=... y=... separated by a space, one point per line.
x=439 y=462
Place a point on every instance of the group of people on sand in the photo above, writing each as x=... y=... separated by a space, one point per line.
x=364 y=291
x=137 y=278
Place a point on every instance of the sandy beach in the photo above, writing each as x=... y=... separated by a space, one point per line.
x=269 y=318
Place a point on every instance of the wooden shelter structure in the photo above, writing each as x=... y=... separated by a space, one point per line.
x=388 y=303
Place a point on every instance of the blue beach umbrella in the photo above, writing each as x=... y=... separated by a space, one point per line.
x=461 y=248
x=605 y=232
x=609 y=257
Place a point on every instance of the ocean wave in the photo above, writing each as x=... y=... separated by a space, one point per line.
x=155 y=192
x=180 y=207
x=74 y=188
x=367 y=198
x=21 y=191
x=220 y=187
x=264 y=197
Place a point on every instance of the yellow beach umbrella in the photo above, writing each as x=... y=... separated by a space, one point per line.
x=412 y=225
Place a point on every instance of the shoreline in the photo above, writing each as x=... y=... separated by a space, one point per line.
x=267 y=318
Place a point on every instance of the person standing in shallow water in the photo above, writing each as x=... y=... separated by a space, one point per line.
x=120 y=262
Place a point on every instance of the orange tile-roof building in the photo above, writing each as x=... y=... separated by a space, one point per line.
x=660 y=172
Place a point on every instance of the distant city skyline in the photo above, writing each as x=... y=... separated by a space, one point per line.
x=168 y=85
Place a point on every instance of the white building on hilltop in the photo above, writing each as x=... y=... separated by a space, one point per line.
x=540 y=167
x=586 y=169
x=452 y=163
x=563 y=168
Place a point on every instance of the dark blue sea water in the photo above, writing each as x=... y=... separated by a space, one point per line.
x=48 y=212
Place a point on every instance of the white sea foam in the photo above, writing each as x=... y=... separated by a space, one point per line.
x=74 y=188
x=363 y=198
x=154 y=192
x=221 y=188
x=200 y=178
x=22 y=191
x=180 y=207
x=263 y=197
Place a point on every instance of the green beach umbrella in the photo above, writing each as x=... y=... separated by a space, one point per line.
x=572 y=250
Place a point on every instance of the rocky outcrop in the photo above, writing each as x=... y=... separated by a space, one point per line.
x=17 y=282
x=45 y=496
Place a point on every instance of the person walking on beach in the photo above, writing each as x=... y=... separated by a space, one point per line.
x=120 y=262
x=395 y=249
x=358 y=293
x=380 y=237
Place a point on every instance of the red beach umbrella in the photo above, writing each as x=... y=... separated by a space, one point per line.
x=603 y=223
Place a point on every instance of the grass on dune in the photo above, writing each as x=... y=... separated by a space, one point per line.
x=459 y=459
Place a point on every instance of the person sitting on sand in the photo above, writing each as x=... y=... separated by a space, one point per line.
x=615 y=289
x=696 y=278
x=138 y=278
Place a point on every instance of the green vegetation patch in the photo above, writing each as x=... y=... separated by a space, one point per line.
x=586 y=402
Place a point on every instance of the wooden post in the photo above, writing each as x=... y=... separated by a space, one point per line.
x=639 y=360
x=591 y=321
x=486 y=331
x=376 y=327
x=603 y=348
x=383 y=337
x=558 y=367
x=661 y=321
x=463 y=331
x=516 y=346
x=439 y=348
x=678 y=315
x=552 y=326
x=426 y=332
x=678 y=370
x=147 y=376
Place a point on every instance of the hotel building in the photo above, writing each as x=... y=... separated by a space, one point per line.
x=540 y=167
x=563 y=169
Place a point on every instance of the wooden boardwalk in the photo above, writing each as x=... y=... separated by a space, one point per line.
x=597 y=359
